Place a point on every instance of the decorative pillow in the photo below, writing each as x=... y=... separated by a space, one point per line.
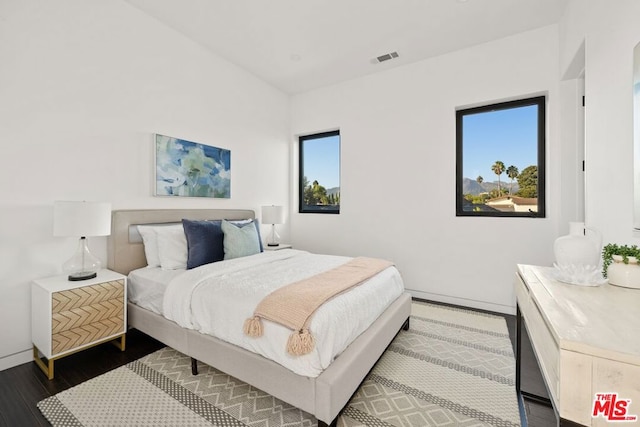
x=172 y=247
x=150 y=240
x=240 y=240
x=243 y=222
x=204 y=242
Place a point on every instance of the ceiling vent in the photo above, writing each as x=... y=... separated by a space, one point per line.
x=385 y=57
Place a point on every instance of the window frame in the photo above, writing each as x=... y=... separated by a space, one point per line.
x=540 y=102
x=302 y=208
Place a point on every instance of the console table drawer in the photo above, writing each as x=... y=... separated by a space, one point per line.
x=546 y=348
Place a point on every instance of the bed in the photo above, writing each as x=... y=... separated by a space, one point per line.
x=323 y=395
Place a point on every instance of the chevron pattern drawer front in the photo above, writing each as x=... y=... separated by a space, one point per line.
x=84 y=315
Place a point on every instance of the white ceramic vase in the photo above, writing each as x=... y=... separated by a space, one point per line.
x=625 y=275
x=576 y=248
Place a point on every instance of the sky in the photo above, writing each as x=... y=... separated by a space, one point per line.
x=322 y=161
x=506 y=135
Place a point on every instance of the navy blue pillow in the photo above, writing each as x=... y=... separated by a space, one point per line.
x=204 y=242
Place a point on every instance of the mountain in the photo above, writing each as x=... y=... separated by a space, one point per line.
x=471 y=186
x=333 y=190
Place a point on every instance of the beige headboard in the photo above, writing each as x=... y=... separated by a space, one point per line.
x=125 y=250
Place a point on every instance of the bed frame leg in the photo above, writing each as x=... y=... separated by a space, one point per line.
x=405 y=326
x=334 y=423
x=194 y=366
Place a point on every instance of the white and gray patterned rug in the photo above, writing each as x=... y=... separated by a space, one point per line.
x=453 y=367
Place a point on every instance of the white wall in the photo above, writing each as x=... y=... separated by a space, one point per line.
x=609 y=31
x=398 y=170
x=83 y=86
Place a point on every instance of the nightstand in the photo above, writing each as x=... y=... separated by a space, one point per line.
x=68 y=316
x=276 y=248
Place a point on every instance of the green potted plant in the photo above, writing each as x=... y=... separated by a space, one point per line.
x=620 y=265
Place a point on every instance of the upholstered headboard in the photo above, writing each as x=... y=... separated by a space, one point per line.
x=124 y=246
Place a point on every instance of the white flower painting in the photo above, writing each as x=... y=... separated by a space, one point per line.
x=189 y=169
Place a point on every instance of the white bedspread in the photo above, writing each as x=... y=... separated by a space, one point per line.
x=216 y=299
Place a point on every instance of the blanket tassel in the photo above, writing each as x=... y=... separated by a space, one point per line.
x=253 y=327
x=300 y=342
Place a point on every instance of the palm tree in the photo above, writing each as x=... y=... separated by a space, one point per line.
x=497 y=168
x=479 y=179
x=512 y=172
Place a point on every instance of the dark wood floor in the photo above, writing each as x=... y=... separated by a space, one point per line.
x=23 y=386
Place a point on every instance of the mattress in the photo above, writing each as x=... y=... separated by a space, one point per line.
x=216 y=299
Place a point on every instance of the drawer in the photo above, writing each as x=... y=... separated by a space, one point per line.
x=522 y=294
x=545 y=347
x=87 y=334
x=86 y=295
x=80 y=316
x=85 y=315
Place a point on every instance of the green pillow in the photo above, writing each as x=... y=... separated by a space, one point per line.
x=240 y=240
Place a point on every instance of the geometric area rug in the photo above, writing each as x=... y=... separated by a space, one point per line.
x=454 y=367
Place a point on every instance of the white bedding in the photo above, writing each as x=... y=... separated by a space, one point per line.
x=216 y=299
x=146 y=286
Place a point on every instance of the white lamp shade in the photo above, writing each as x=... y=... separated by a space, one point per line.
x=81 y=219
x=273 y=215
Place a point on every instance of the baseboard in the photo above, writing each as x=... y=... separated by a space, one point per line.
x=15 y=359
x=465 y=302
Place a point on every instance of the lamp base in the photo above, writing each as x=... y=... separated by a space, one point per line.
x=83 y=265
x=274 y=239
x=82 y=275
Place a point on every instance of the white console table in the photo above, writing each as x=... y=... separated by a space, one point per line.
x=586 y=341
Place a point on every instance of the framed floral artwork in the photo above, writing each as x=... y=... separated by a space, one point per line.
x=191 y=169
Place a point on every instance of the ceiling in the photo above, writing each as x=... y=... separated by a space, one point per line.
x=299 y=45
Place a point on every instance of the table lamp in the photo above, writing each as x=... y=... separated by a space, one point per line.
x=273 y=215
x=81 y=219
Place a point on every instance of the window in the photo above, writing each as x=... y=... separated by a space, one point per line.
x=320 y=173
x=500 y=159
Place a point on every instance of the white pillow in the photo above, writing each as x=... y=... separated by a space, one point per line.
x=150 y=240
x=172 y=247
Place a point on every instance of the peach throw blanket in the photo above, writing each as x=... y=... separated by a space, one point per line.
x=294 y=304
